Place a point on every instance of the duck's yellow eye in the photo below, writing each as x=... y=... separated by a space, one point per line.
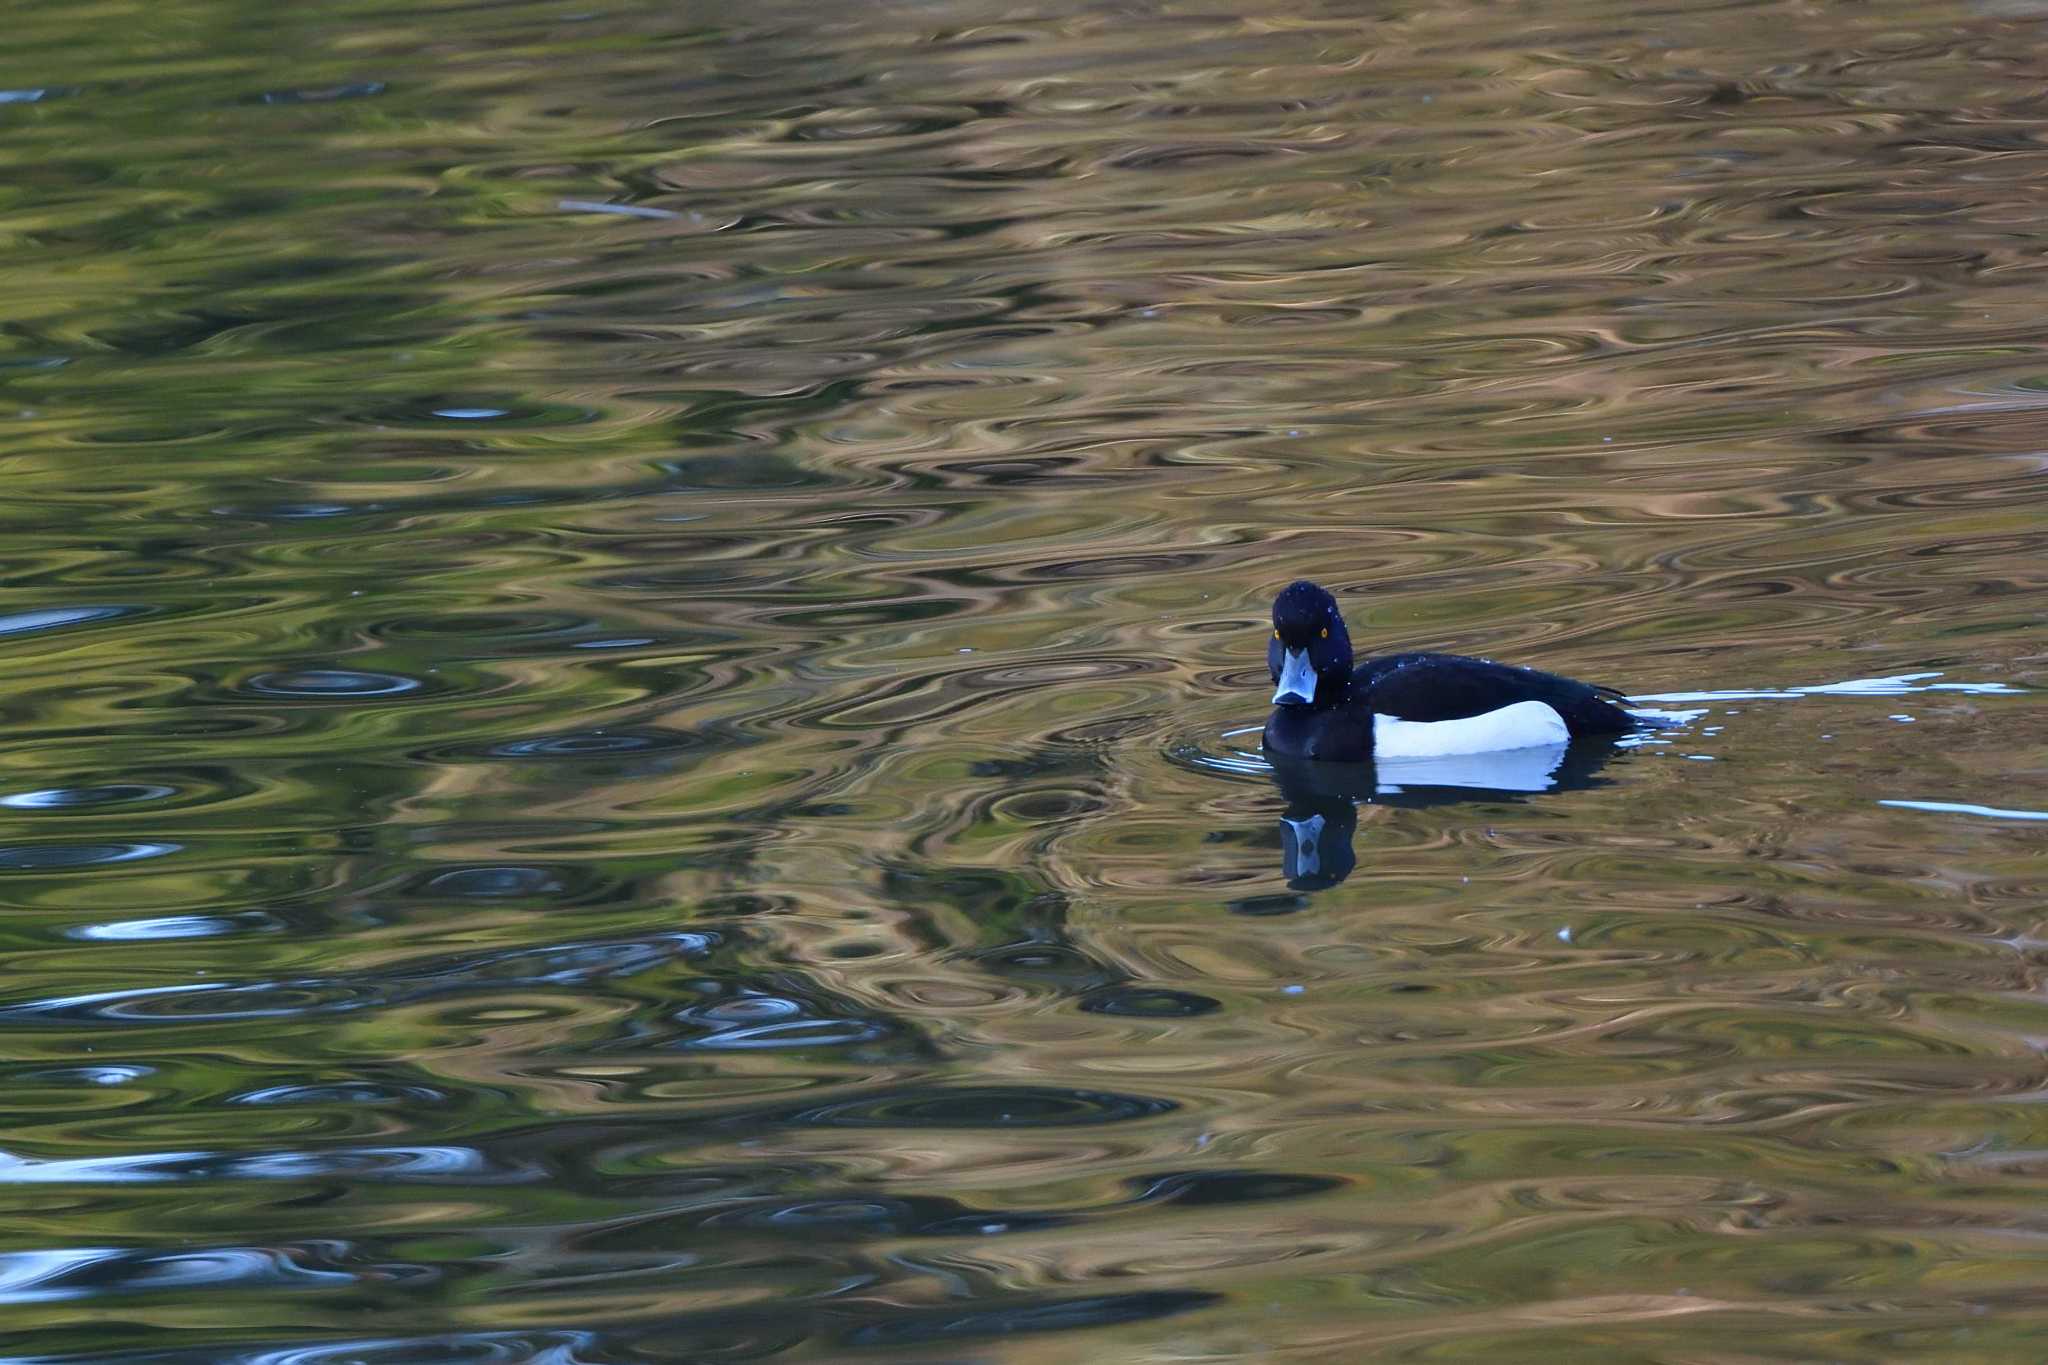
x=1326 y=632
x=1276 y=634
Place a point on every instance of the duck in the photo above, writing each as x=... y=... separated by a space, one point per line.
x=1412 y=706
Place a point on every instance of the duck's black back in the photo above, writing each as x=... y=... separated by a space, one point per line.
x=1433 y=687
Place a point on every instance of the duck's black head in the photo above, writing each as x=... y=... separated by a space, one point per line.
x=1309 y=654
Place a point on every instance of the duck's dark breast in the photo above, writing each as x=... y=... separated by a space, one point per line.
x=1331 y=735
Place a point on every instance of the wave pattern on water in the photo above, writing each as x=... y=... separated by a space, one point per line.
x=630 y=645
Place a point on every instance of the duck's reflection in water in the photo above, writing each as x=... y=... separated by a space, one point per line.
x=1323 y=799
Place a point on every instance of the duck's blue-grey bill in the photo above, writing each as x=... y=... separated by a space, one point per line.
x=1297 y=680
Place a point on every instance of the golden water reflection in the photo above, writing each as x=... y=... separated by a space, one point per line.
x=625 y=638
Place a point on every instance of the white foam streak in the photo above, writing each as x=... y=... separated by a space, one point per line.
x=1967 y=808
x=1897 y=685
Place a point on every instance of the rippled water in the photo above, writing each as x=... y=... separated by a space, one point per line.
x=627 y=636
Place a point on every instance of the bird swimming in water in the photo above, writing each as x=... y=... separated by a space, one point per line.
x=1412 y=705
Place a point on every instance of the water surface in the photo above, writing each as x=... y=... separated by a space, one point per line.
x=626 y=634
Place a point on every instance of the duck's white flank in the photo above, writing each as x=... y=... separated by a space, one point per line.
x=1524 y=725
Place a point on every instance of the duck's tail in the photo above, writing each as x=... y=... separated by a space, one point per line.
x=1596 y=710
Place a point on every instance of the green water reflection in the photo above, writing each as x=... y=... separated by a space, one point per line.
x=625 y=635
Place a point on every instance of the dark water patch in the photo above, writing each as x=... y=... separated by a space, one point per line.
x=323 y=94
x=577 y=746
x=851 y=1218
x=1046 y=806
x=1101 y=732
x=562 y=966
x=870 y=614
x=1113 y=567
x=343 y=1092
x=328 y=684
x=568 y=964
x=1047 y=470
x=749 y=1021
x=1141 y=1002
x=505 y=882
x=981 y=1107
x=1067 y=670
x=938 y=698
x=990 y=1224
x=752 y=470
x=1045 y=1315
x=494 y=631
x=1269 y=904
x=300 y=511
x=868 y=122
x=1045 y=962
x=1230 y=1187
x=178 y=334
